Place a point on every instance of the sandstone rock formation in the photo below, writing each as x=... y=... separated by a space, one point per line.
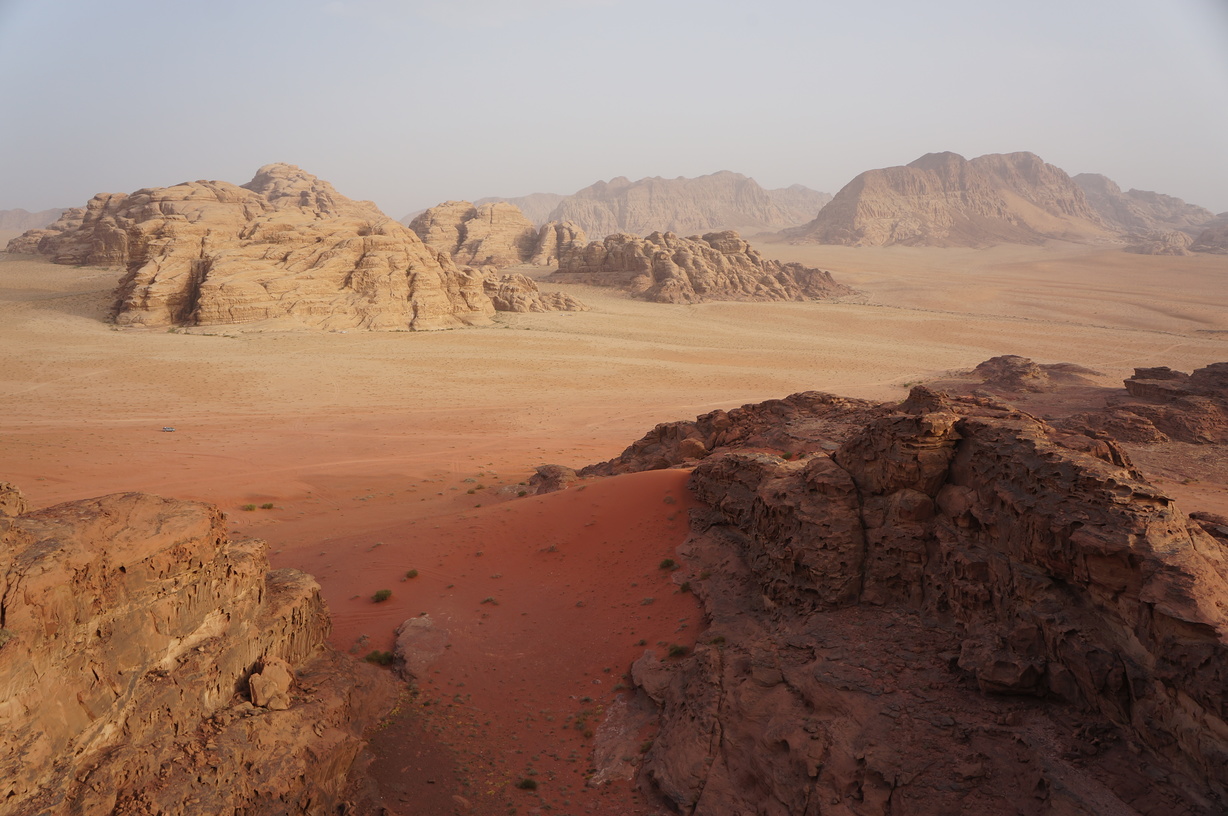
x=1011 y=373
x=668 y=269
x=553 y=240
x=148 y=664
x=1169 y=242
x=23 y=220
x=284 y=246
x=946 y=606
x=1161 y=405
x=1140 y=211
x=494 y=234
x=943 y=199
x=720 y=201
x=518 y=293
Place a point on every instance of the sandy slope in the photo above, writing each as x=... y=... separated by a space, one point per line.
x=364 y=438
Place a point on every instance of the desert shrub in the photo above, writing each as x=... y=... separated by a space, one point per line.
x=248 y=507
x=676 y=650
x=413 y=573
x=5 y=636
x=685 y=586
x=380 y=658
x=267 y=506
x=527 y=784
x=382 y=595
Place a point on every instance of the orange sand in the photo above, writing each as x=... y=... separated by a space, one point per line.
x=364 y=438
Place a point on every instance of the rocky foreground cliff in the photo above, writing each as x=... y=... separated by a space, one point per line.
x=148 y=664
x=942 y=606
x=284 y=247
x=666 y=268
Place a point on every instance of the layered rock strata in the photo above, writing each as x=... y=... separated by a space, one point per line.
x=944 y=606
x=148 y=664
x=286 y=246
x=943 y=199
x=666 y=268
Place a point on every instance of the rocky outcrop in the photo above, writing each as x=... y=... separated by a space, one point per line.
x=1140 y=211
x=1169 y=242
x=510 y=292
x=720 y=201
x=493 y=234
x=955 y=609
x=1010 y=373
x=943 y=199
x=284 y=246
x=23 y=220
x=1162 y=405
x=668 y=269
x=151 y=665
x=553 y=240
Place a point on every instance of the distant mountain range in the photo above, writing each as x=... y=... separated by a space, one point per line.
x=718 y=201
x=943 y=199
x=22 y=220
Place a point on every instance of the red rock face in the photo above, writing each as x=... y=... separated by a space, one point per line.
x=1162 y=405
x=141 y=658
x=950 y=608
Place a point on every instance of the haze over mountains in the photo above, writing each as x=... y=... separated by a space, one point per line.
x=943 y=199
x=719 y=201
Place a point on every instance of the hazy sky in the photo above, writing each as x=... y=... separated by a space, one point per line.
x=414 y=102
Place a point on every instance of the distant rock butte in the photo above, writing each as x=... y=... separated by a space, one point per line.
x=142 y=657
x=285 y=246
x=718 y=201
x=1140 y=211
x=943 y=199
x=668 y=269
x=23 y=220
x=933 y=607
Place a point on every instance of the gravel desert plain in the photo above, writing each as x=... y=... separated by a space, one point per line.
x=403 y=460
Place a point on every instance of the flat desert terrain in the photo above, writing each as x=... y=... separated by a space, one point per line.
x=388 y=452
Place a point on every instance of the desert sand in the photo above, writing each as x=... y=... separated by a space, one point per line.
x=386 y=452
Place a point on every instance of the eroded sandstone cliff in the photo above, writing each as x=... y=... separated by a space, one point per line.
x=669 y=269
x=148 y=664
x=942 y=606
x=286 y=246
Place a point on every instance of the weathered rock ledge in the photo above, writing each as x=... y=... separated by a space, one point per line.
x=148 y=664
x=940 y=607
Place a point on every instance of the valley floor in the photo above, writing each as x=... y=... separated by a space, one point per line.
x=382 y=453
